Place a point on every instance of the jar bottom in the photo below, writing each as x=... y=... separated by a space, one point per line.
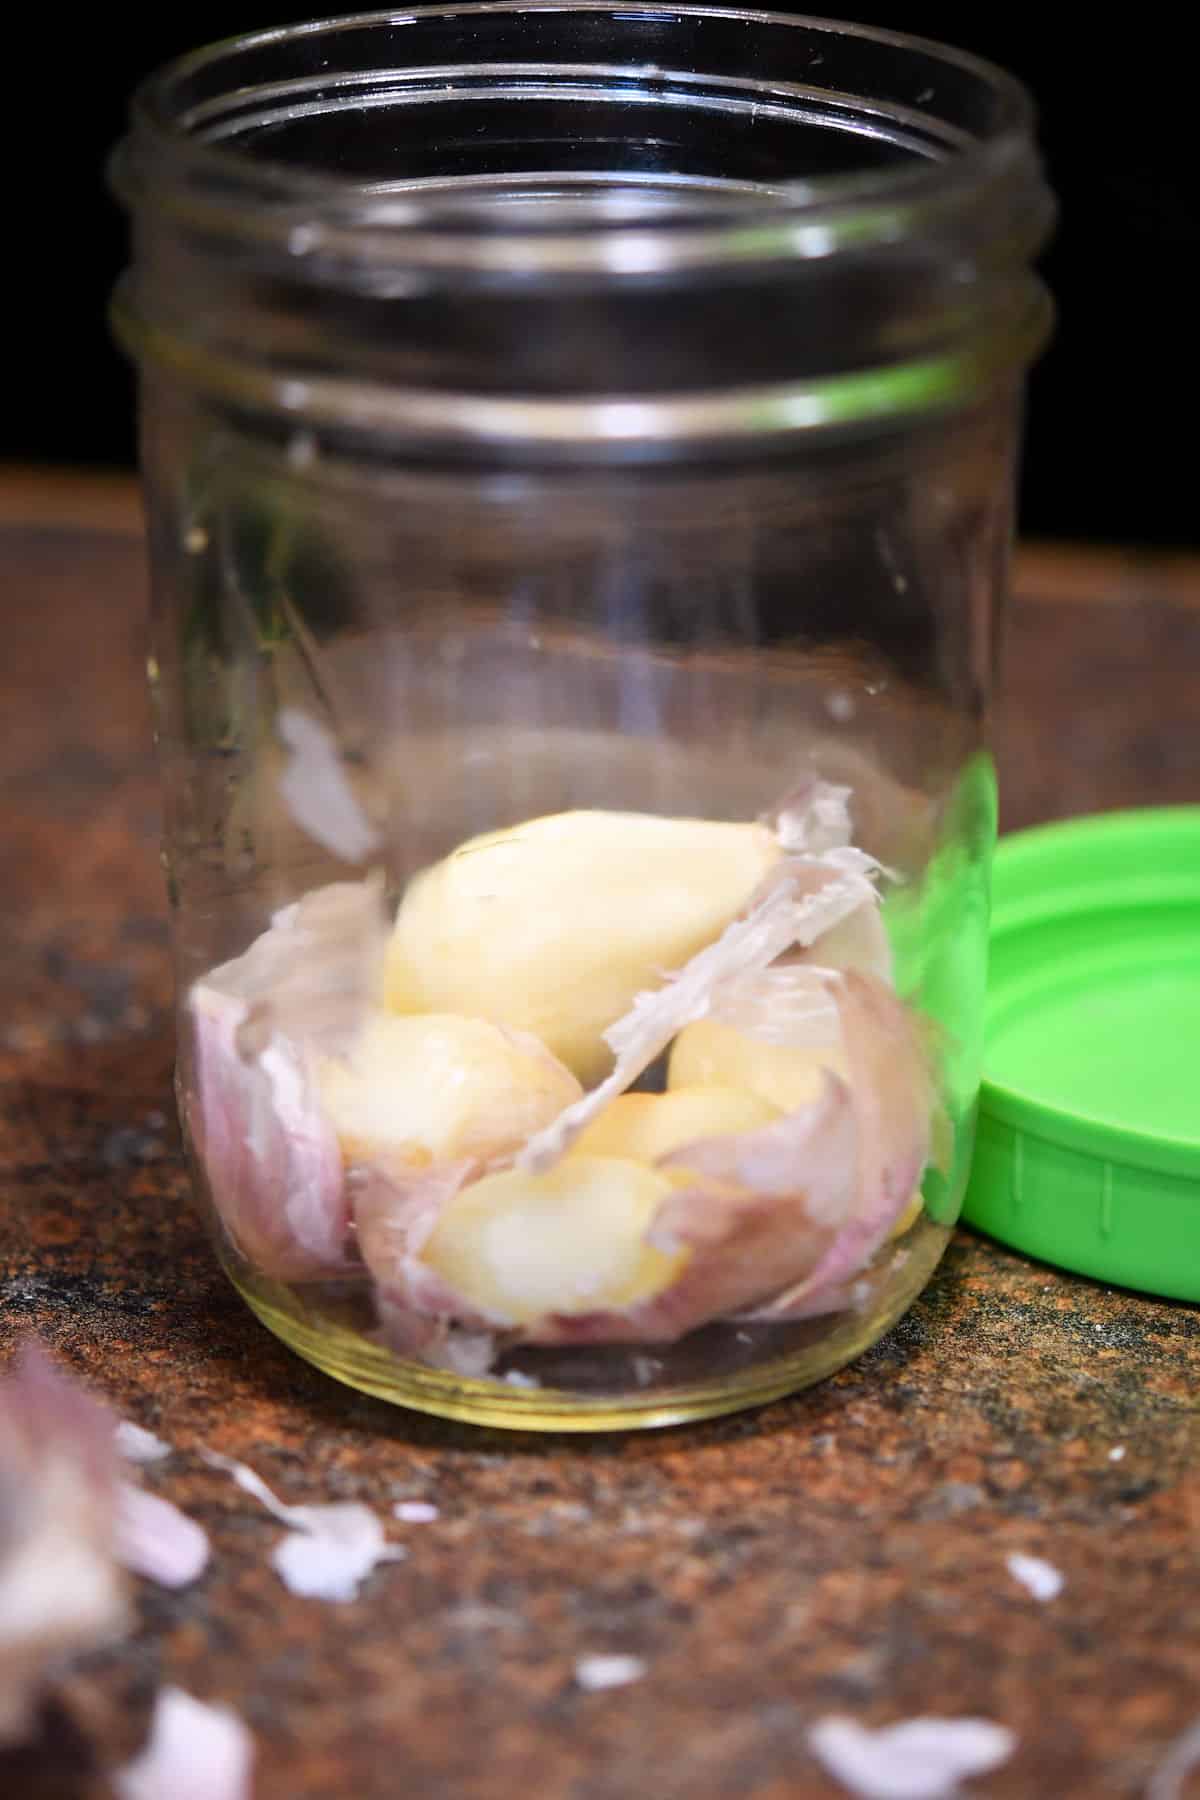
x=720 y=1369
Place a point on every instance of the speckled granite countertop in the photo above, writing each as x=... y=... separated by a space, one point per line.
x=840 y=1551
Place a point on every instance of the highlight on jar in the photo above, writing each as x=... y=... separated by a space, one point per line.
x=596 y=1080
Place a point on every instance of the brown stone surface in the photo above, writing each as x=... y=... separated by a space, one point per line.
x=840 y=1551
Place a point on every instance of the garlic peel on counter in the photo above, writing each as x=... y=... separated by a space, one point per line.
x=60 y=1587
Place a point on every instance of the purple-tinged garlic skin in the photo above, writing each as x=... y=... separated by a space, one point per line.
x=893 y=1094
x=269 y=1152
x=738 y=1242
x=394 y=1213
x=194 y=1752
x=60 y=1587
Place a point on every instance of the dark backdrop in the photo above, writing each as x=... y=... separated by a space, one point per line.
x=1117 y=115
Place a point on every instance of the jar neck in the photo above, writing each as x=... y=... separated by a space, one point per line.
x=583 y=225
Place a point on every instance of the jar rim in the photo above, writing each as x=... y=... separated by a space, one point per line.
x=174 y=161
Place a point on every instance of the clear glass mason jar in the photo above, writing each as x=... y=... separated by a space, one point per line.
x=579 y=446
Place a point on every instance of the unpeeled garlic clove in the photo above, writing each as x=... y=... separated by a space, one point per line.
x=268 y=1150
x=269 y=1153
x=431 y=1088
x=646 y=1127
x=555 y=925
x=891 y=1081
x=520 y=1250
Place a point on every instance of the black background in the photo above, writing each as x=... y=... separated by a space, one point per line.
x=1111 y=448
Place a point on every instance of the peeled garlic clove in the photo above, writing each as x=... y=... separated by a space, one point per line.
x=747 y=1215
x=646 y=1127
x=434 y=1087
x=268 y=1151
x=788 y=1076
x=555 y=925
x=908 y=1217
x=521 y=1249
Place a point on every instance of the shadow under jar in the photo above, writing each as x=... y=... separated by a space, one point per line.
x=579 y=446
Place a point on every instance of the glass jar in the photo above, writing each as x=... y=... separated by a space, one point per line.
x=579 y=447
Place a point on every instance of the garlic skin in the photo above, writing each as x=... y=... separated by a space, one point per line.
x=554 y=926
x=893 y=1091
x=433 y=1088
x=270 y=1154
x=60 y=1588
x=259 y=1023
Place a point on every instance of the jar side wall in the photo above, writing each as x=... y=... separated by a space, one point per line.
x=485 y=648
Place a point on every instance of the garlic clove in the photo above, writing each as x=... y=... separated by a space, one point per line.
x=748 y=1214
x=519 y=1249
x=434 y=1087
x=908 y=1217
x=553 y=926
x=712 y=1053
x=646 y=1127
x=268 y=1150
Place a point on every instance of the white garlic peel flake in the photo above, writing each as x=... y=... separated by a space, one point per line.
x=195 y=1752
x=153 y=1538
x=920 y=1759
x=1037 y=1576
x=329 y=1550
x=595 y=1674
x=316 y=789
x=137 y=1445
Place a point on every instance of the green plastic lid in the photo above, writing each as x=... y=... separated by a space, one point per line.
x=1088 y=1150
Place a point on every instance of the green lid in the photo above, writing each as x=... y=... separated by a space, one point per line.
x=1088 y=1151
